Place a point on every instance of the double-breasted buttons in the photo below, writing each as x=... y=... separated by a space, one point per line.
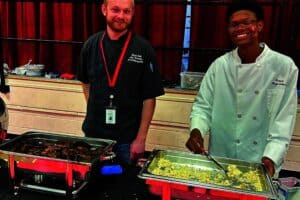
x=255 y=142
x=256 y=92
x=254 y=117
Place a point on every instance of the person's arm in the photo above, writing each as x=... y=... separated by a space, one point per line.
x=86 y=90
x=283 y=117
x=137 y=148
x=82 y=73
x=200 y=117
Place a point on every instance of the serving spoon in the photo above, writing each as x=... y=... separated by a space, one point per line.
x=216 y=162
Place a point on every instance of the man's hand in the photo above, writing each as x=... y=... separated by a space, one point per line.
x=195 y=142
x=137 y=149
x=269 y=164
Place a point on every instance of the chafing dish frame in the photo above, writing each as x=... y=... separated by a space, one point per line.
x=194 y=159
x=16 y=161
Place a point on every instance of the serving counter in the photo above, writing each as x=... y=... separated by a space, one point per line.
x=56 y=105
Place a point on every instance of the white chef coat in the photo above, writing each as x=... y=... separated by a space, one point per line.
x=249 y=109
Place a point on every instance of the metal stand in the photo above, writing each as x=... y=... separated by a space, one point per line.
x=36 y=181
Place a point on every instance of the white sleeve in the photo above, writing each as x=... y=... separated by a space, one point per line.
x=282 y=125
x=201 y=113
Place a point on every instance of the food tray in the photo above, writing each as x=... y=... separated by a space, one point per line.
x=201 y=163
x=54 y=163
x=31 y=146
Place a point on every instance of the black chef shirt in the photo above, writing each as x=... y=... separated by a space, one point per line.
x=139 y=79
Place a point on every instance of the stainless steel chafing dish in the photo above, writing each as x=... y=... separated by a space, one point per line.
x=198 y=163
x=54 y=163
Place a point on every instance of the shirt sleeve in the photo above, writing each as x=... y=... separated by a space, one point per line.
x=283 y=121
x=81 y=73
x=152 y=84
x=201 y=113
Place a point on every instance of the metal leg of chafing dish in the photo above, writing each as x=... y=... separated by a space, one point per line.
x=12 y=175
x=69 y=180
x=166 y=192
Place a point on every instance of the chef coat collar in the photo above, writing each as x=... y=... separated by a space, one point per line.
x=237 y=58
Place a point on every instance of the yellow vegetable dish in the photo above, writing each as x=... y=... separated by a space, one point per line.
x=249 y=180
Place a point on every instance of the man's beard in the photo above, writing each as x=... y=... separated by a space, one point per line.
x=115 y=27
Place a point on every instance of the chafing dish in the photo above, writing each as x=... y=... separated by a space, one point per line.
x=54 y=163
x=201 y=163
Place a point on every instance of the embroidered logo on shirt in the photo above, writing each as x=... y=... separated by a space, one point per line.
x=136 y=58
x=151 y=67
x=278 y=82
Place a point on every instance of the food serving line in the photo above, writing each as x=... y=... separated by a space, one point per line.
x=65 y=165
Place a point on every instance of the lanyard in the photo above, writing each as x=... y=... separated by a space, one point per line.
x=112 y=81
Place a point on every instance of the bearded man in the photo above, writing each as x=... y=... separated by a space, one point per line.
x=120 y=80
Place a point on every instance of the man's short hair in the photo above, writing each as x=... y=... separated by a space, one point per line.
x=105 y=2
x=250 y=5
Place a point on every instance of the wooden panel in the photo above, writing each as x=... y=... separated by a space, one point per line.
x=293 y=159
x=28 y=120
x=170 y=138
x=293 y=153
x=47 y=98
x=172 y=111
x=297 y=125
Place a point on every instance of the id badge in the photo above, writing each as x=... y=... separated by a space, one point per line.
x=110 y=115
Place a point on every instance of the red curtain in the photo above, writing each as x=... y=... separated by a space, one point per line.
x=70 y=24
x=209 y=38
x=208 y=34
x=162 y=23
x=67 y=24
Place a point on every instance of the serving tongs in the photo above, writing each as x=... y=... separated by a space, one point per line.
x=216 y=162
